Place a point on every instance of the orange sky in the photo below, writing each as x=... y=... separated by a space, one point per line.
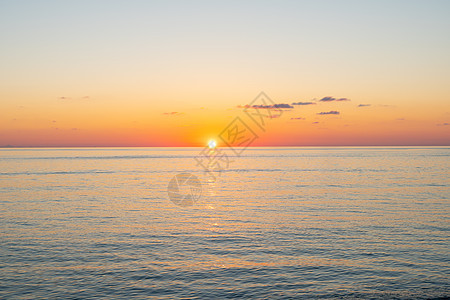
x=90 y=122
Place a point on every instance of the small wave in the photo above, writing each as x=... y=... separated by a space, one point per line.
x=97 y=157
x=56 y=173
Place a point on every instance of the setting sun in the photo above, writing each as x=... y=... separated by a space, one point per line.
x=212 y=144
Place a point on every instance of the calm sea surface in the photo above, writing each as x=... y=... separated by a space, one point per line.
x=278 y=223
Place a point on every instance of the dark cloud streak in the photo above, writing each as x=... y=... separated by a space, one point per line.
x=330 y=99
x=331 y=112
x=303 y=103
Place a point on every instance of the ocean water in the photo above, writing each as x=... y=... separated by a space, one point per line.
x=276 y=223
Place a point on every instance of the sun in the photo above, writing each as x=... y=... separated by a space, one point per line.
x=212 y=144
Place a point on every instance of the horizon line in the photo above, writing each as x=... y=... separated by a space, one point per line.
x=264 y=146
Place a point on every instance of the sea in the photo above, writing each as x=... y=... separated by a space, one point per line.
x=264 y=223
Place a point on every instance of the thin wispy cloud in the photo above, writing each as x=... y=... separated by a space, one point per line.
x=330 y=99
x=364 y=105
x=172 y=113
x=298 y=118
x=274 y=106
x=331 y=112
x=65 y=98
x=443 y=124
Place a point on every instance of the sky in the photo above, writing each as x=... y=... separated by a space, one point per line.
x=177 y=73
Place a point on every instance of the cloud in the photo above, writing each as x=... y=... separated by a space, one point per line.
x=282 y=105
x=443 y=124
x=64 y=98
x=172 y=113
x=315 y=122
x=364 y=105
x=331 y=112
x=274 y=106
x=298 y=118
x=303 y=103
x=329 y=99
